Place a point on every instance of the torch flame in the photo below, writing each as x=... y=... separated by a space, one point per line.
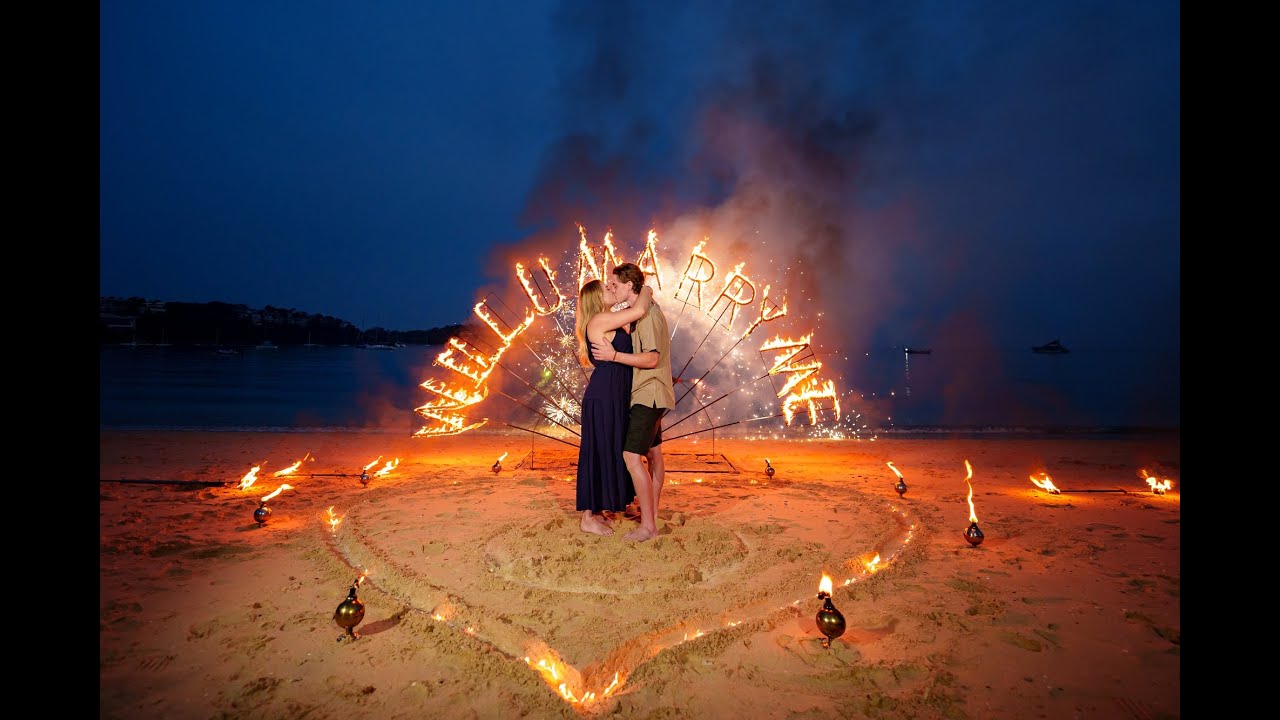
x=282 y=488
x=1157 y=485
x=391 y=465
x=502 y=457
x=292 y=468
x=250 y=478
x=871 y=564
x=894 y=469
x=1046 y=483
x=824 y=587
x=333 y=520
x=375 y=462
x=973 y=516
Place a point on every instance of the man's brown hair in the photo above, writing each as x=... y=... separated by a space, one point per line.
x=630 y=273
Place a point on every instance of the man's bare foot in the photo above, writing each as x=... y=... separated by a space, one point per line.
x=641 y=534
x=593 y=525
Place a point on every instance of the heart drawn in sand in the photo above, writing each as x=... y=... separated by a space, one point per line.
x=586 y=611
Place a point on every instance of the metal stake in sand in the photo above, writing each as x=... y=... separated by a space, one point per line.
x=901 y=487
x=350 y=612
x=830 y=621
x=973 y=534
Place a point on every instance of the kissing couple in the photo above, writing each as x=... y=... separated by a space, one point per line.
x=627 y=395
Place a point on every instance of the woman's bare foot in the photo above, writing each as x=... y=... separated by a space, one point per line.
x=592 y=524
x=641 y=534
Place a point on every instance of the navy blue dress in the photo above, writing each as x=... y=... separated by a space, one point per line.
x=603 y=480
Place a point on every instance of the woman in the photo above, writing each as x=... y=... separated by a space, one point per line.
x=604 y=484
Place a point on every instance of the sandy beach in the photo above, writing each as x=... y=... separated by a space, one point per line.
x=483 y=599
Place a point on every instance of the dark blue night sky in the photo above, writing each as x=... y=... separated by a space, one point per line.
x=992 y=172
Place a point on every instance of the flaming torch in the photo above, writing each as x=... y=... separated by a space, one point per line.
x=497 y=464
x=1046 y=483
x=263 y=512
x=973 y=534
x=830 y=621
x=1158 y=486
x=901 y=487
x=768 y=469
x=364 y=471
x=386 y=469
x=350 y=612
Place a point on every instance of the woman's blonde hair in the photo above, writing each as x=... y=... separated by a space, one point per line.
x=590 y=302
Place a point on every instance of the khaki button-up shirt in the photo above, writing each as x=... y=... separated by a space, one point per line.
x=652 y=388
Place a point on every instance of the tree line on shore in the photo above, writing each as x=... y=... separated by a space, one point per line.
x=144 y=322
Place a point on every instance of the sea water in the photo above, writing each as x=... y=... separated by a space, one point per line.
x=376 y=390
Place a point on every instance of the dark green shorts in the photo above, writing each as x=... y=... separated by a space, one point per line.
x=644 y=429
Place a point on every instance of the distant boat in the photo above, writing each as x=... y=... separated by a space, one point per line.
x=377 y=346
x=227 y=351
x=919 y=351
x=265 y=345
x=308 y=343
x=1050 y=348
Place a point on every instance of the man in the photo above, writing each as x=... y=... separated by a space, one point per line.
x=652 y=396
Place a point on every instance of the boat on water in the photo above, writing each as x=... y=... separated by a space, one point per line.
x=919 y=351
x=1050 y=348
x=265 y=345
